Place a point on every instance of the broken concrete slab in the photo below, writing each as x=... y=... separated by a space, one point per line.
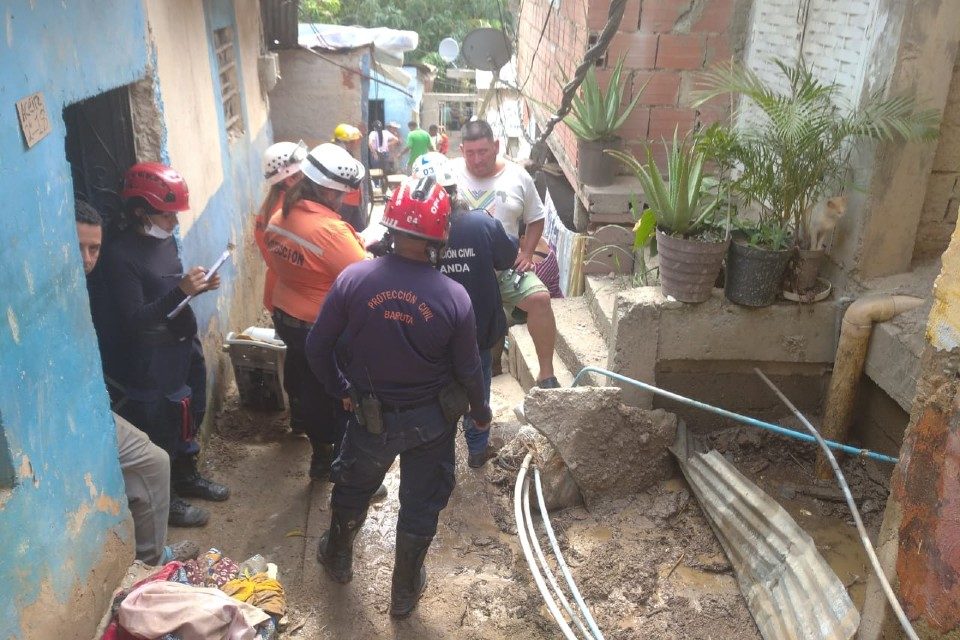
x=560 y=490
x=611 y=449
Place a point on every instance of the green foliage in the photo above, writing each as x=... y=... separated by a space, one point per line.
x=683 y=204
x=320 y=11
x=595 y=115
x=792 y=149
x=433 y=20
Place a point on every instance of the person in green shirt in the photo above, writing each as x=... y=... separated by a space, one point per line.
x=418 y=143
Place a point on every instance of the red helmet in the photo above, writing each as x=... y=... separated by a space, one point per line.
x=163 y=188
x=419 y=207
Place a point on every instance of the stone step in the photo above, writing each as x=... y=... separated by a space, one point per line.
x=522 y=359
x=579 y=343
x=601 y=294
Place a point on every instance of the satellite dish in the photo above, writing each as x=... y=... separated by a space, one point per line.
x=486 y=49
x=449 y=49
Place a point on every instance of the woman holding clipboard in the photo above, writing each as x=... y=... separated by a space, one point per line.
x=165 y=377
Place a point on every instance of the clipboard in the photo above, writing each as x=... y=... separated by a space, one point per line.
x=210 y=273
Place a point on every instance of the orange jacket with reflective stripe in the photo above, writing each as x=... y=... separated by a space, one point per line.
x=259 y=229
x=308 y=249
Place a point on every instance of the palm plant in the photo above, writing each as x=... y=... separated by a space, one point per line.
x=595 y=114
x=685 y=202
x=793 y=148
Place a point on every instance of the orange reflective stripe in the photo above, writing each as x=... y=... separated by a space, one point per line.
x=290 y=235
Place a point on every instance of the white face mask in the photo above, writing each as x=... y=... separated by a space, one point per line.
x=156 y=232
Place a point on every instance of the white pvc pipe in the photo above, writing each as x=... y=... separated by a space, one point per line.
x=532 y=532
x=522 y=486
x=561 y=561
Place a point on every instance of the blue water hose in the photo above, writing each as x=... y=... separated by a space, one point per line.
x=753 y=422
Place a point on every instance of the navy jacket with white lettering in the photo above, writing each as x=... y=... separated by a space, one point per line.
x=477 y=248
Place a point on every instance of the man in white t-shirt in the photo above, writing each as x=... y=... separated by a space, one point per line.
x=507 y=192
x=382 y=144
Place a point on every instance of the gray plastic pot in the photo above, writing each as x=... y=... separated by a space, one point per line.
x=754 y=275
x=595 y=167
x=689 y=268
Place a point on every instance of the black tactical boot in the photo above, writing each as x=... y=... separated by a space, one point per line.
x=320 y=462
x=335 y=551
x=188 y=482
x=184 y=514
x=409 y=576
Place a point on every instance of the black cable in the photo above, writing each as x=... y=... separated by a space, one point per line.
x=533 y=58
x=614 y=17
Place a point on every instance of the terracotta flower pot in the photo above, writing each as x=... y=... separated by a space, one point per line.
x=688 y=268
x=804 y=269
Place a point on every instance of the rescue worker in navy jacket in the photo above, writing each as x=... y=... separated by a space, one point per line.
x=477 y=249
x=165 y=378
x=407 y=366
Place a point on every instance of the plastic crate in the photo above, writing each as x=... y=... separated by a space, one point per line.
x=257 y=356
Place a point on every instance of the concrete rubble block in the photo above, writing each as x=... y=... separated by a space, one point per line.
x=560 y=490
x=612 y=450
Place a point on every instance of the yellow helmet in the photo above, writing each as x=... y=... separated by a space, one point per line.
x=346 y=133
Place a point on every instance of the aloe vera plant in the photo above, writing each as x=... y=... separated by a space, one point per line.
x=595 y=114
x=684 y=202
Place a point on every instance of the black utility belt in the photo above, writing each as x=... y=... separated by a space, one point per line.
x=284 y=318
x=158 y=336
x=369 y=409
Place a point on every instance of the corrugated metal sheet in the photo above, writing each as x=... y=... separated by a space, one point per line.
x=790 y=589
x=280 y=19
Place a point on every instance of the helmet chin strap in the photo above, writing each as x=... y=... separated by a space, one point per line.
x=434 y=251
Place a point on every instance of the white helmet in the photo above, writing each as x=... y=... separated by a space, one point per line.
x=434 y=163
x=331 y=166
x=281 y=160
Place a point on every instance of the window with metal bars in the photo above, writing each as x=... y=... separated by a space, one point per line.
x=229 y=86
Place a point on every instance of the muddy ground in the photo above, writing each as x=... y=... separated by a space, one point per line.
x=649 y=566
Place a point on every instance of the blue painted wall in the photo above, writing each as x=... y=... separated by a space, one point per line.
x=68 y=492
x=229 y=211
x=55 y=423
x=398 y=106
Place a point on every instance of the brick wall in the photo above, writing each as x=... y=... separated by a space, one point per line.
x=665 y=43
x=938 y=218
x=542 y=66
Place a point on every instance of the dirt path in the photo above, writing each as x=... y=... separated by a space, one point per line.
x=649 y=566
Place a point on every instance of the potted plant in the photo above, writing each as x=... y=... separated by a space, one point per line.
x=690 y=246
x=595 y=116
x=791 y=151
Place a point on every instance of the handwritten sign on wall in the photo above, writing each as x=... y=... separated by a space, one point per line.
x=34 y=121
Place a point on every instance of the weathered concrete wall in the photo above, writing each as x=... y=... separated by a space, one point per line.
x=917 y=542
x=708 y=350
x=314 y=95
x=938 y=218
x=65 y=534
x=913 y=52
x=223 y=173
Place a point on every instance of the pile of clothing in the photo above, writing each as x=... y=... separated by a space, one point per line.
x=208 y=598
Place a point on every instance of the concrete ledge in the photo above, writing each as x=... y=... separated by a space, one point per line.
x=720 y=330
x=613 y=200
x=522 y=360
x=601 y=294
x=893 y=359
x=649 y=331
x=579 y=344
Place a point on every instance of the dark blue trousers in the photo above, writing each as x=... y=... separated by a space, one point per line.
x=171 y=409
x=424 y=440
